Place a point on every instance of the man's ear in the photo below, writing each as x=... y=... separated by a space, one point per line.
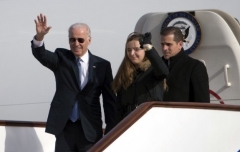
x=181 y=43
x=89 y=39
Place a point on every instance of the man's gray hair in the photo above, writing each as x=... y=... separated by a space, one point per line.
x=80 y=25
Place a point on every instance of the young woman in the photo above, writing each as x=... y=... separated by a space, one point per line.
x=141 y=75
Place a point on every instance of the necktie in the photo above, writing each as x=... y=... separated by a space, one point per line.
x=75 y=111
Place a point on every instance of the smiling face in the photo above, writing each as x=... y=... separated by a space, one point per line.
x=134 y=53
x=78 y=48
x=170 y=47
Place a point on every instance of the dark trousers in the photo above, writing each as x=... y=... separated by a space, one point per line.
x=72 y=139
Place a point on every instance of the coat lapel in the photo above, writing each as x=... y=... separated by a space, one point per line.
x=177 y=66
x=91 y=67
x=74 y=66
x=91 y=71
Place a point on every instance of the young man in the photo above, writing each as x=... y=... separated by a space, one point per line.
x=187 y=79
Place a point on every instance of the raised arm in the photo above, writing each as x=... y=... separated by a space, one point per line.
x=46 y=58
x=160 y=68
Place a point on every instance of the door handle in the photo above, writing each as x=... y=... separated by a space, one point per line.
x=226 y=67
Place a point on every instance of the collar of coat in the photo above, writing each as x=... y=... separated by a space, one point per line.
x=145 y=65
x=175 y=58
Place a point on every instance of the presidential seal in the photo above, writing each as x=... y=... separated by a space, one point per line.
x=189 y=27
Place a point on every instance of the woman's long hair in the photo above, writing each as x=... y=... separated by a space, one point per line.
x=126 y=72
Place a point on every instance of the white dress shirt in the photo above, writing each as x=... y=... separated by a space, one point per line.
x=84 y=68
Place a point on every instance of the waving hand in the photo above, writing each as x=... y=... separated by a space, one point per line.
x=41 y=27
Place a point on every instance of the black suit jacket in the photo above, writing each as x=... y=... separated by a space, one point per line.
x=63 y=64
x=187 y=80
